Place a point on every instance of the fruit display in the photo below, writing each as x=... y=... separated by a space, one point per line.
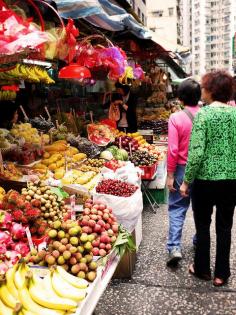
x=30 y=134
x=33 y=74
x=7 y=141
x=10 y=172
x=127 y=143
x=50 y=206
x=7 y=95
x=24 y=292
x=12 y=241
x=97 y=219
x=99 y=134
x=41 y=124
x=95 y=162
x=158 y=126
x=142 y=158
x=117 y=154
x=2 y=193
x=84 y=145
x=114 y=164
x=68 y=247
x=26 y=154
x=152 y=149
x=134 y=135
x=153 y=114
x=116 y=188
x=77 y=177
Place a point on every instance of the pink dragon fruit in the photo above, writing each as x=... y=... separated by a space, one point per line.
x=5 y=238
x=5 y=220
x=3 y=268
x=12 y=257
x=3 y=250
x=17 y=231
x=21 y=247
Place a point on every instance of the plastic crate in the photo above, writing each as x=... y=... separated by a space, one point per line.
x=148 y=171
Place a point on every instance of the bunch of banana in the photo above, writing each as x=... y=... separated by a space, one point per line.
x=24 y=293
x=32 y=73
x=7 y=95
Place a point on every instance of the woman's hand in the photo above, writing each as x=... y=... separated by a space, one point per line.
x=170 y=182
x=184 y=189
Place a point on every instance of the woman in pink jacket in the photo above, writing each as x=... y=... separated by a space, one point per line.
x=179 y=132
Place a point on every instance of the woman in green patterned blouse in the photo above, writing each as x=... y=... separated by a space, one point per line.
x=211 y=167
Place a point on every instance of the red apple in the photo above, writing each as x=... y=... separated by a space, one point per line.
x=102 y=207
x=92 y=223
x=86 y=211
x=95 y=243
x=102 y=246
x=110 y=232
x=84 y=222
x=106 y=216
x=85 y=229
x=97 y=228
x=94 y=210
x=108 y=247
x=102 y=252
x=115 y=228
x=101 y=222
x=95 y=251
x=106 y=211
x=113 y=238
x=107 y=226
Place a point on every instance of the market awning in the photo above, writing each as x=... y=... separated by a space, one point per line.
x=102 y=14
x=168 y=45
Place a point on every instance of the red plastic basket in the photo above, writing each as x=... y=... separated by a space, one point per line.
x=148 y=171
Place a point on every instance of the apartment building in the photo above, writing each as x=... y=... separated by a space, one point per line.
x=208 y=27
x=162 y=18
x=140 y=8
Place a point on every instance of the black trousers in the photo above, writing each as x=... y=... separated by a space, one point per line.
x=205 y=195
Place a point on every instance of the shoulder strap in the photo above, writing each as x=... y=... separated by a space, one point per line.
x=189 y=114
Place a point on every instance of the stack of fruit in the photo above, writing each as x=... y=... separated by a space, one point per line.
x=2 y=193
x=143 y=158
x=26 y=154
x=116 y=188
x=29 y=133
x=127 y=143
x=31 y=73
x=40 y=195
x=70 y=248
x=12 y=245
x=99 y=220
x=25 y=293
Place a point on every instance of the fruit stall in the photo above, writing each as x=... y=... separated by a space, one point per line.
x=71 y=197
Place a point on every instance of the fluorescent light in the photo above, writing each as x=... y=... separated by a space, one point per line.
x=37 y=62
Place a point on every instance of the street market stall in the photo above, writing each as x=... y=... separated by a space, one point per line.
x=70 y=182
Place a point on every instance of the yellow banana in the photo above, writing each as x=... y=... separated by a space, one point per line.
x=40 y=296
x=10 y=275
x=66 y=290
x=75 y=281
x=20 y=274
x=7 y=298
x=31 y=306
x=25 y=312
x=5 y=310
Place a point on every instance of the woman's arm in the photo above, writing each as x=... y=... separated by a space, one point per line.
x=196 y=148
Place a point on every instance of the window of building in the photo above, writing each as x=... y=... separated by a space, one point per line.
x=171 y=11
x=158 y=13
x=139 y=13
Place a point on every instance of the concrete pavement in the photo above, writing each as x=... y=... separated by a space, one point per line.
x=157 y=290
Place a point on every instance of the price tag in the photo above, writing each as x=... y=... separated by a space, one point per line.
x=1 y=162
x=120 y=142
x=46 y=110
x=130 y=149
x=72 y=204
x=42 y=246
x=91 y=116
x=29 y=237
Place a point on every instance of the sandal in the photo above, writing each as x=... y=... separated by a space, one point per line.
x=206 y=277
x=219 y=282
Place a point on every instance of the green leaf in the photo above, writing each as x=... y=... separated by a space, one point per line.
x=59 y=192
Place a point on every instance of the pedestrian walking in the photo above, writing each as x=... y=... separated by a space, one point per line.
x=179 y=131
x=212 y=166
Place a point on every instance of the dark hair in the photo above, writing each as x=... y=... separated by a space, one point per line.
x=125 y=88
x=116 y=97
x=220 y=84
x=8 y=110
x=189 y=92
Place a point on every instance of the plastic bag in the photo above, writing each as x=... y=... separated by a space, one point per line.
x=126 y=209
